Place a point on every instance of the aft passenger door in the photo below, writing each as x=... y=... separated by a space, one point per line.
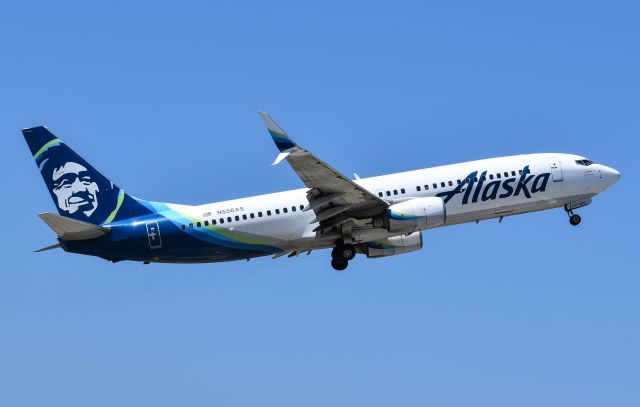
x=556 y=169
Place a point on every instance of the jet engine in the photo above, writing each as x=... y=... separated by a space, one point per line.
x=393 y=245
x=414 y=214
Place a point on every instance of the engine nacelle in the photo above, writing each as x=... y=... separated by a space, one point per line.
x=416 y=214
x=394 y=245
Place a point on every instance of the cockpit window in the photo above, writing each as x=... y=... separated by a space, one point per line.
x=586 y=163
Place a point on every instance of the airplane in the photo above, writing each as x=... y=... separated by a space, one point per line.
x=378 y=217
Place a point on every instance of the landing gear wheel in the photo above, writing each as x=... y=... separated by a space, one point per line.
x=339 y=265
x=575 y=220
x=343 y=252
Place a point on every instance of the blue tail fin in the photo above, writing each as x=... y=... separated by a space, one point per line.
x=79 y=191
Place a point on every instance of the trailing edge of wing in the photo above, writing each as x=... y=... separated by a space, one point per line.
x=71 y=229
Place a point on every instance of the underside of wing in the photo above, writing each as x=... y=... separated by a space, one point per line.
x=335 y=199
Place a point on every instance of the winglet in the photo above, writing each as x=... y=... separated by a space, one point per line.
x=281 y=157
x=282 y=140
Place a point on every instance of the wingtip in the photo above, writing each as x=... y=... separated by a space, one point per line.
x=281 y=157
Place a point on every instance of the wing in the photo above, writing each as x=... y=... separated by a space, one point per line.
x=334 y=198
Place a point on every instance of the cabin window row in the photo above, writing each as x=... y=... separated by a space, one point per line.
x=391 y=192
x=237 y=218
x=443 y=184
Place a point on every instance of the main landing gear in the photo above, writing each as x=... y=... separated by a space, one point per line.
x=574 y=219
x=340 y=256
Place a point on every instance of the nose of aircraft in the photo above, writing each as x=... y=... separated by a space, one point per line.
x=611 y=176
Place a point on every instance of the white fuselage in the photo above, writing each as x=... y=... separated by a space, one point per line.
x=566 y=182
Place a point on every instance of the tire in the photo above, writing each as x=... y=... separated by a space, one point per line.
x=347 y=252
x=339 y=265
x=343 y=252
x=575 y=220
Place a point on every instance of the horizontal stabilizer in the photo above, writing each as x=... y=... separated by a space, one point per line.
x=71 y=229
x=44 y=249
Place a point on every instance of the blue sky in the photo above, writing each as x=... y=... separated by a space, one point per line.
x=162 y=97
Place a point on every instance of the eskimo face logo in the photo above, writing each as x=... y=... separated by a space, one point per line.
x=75 y=189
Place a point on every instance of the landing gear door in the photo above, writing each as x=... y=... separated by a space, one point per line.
x=153 y=233
x=556 y=169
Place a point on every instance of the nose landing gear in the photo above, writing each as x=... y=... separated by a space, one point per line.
x=340 y=256
x=574 y=219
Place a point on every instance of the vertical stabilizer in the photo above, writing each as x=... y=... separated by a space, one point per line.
x=79 y=191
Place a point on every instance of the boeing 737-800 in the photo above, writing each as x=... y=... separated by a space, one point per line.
x=379 y=216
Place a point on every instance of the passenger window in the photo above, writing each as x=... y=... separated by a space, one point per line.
x=244 y=217
x=426 y=187
x=277 y=211
x=418 y=188
x=191 y=225
x=388 y=193
x=259 y=214
x=520 y=172
x=183 y=227
x=435 y=185
x=229 y=219
x=442 y=184
x=513 y=173
x=213 y=221
x=498 y=175
x=395 y=192
x=293 y=208
x=459 y=182
x=490 y=176
x=301 y=207
x=402 y=191
x=221 y=221
x=380 y=194
x=206 y=223
x=506 y=174
x=198 y=224
x=251 y=215
x=268 y=213
x=237 y=218
x=450 y=183
x=285 y=210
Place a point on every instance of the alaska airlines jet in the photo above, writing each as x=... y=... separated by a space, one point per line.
x=378 y=216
